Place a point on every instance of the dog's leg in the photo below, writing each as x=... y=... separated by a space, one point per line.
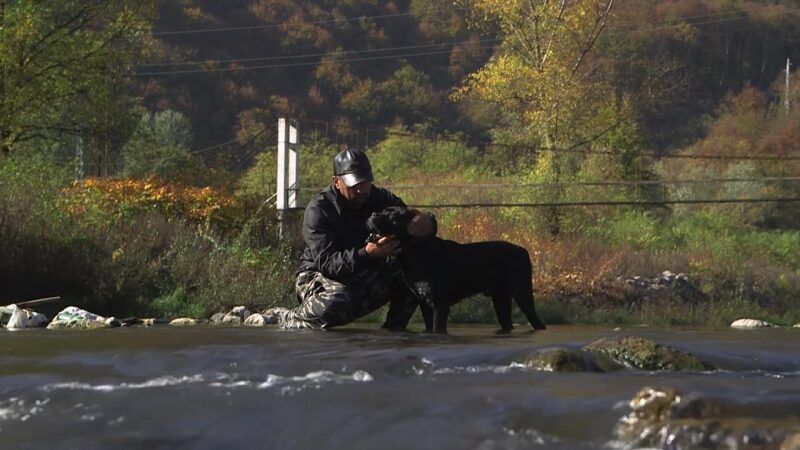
x=427 y=315
x=440 y=313
x=501 y=299
x=521 y=285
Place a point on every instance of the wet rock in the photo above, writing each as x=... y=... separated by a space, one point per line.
x=667 y=419
x=750 y=323
x=78 y=325
x=797 y=325
x=76 y=318
x=645 y=354
x=216 y=319
x=273 y=315
x=183 y=321
x=570 y=360
x=255 y=320
x=149 y=322
x=241 y=311
x=231 y=319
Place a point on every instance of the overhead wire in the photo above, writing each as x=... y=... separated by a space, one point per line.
x=315 y=22
x=414 y=54
x=576 y=150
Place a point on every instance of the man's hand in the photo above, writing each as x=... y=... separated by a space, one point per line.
x=383 y=247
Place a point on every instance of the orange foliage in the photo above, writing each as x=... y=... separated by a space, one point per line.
x=118 y=198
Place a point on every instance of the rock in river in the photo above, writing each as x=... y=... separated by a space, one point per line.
x=750 y=323
x=663 y=418
x=570 y=360
x=645 y=354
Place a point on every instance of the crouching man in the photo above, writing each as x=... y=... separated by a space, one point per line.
x=343 y=275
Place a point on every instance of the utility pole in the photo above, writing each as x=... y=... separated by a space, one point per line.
x=786 y=94
x=79 y=172
x=288 y=189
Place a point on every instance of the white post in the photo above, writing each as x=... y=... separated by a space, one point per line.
x=79 y=170
x=288 y=189
x=786 y=95
x=288 y=163
x=293 y=184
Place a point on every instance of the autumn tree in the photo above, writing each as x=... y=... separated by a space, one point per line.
x=540 y=76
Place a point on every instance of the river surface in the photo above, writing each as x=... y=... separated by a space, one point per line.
x=355 y=388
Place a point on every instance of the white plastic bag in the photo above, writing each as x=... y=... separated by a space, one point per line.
x=24 y=318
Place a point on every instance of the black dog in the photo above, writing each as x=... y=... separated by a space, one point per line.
x=443 y=272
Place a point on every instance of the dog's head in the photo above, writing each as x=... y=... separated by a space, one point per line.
x=392 y=220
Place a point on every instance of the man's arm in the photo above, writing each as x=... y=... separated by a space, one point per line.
x=332 y=261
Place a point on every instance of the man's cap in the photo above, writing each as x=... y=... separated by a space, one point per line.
x=352 y=167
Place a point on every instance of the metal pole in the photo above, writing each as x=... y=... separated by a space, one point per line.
x=79 y=173
x=288 y=181
x=786 y=94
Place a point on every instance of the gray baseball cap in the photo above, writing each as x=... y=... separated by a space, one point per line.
x=352 y=167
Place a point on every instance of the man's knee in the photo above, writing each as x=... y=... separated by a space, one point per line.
x=322 y=301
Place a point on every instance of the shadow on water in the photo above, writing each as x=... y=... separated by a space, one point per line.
x=354 y=387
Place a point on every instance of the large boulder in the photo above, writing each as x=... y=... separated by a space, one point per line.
x=232 y=319
x=570 y=360
x=665 y=285
x=750 y=323
x=241 y=311
x=273 y=315
x=216 y=319
x=641 y=353
x=662 y=417
x=76 y=318
x=183 y=322
x=255 y=320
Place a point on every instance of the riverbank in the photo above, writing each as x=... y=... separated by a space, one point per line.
x=147 y=248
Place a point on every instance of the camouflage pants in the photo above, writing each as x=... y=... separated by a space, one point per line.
x=325 y=303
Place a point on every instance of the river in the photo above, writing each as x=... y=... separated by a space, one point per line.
x=355 y=388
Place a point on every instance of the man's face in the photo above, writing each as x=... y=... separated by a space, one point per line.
x=357 y=195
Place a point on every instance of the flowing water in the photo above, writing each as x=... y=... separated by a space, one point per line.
x=356 y=388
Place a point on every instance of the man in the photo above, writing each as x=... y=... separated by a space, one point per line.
x=344 y=273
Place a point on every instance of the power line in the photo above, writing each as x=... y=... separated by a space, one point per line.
x=378 y=16
x=315 y=55
x=376 y=58
x=608 y=203
x=507 y=186
x=533 y=149
x=311 y=55
x=278 y=25
x=313 y=63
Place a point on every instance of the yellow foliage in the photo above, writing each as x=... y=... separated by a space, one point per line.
x=117 y=198
x=539 y=70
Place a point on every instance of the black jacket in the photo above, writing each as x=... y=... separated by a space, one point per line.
x=336 y=236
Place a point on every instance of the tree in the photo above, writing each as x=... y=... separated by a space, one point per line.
x=57 y=58
x=160 y=147
x=540 y=77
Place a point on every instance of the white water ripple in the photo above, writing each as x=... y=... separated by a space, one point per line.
x=154 y=383
x=287 y=384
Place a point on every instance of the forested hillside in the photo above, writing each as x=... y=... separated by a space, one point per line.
x=230 y=65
